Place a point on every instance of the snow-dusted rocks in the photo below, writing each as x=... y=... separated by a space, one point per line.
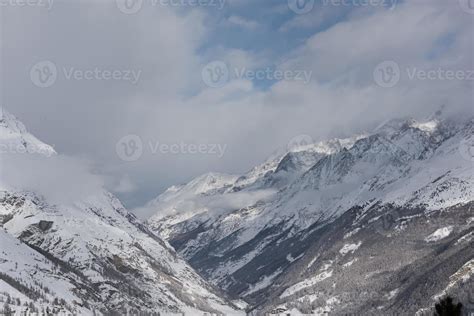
x=349 y=248
x=370 y=185
x=15 y=139
x=86 y=254
x=439 y=234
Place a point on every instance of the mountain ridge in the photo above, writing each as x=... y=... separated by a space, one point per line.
x=417 y=167
x=88 y=255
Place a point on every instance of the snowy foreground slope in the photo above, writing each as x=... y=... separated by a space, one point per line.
x=84 y=256
x=348 y=225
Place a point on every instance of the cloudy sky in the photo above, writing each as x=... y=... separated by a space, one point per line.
x=155 y=92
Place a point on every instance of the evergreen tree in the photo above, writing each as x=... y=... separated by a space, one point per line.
x=445 y=307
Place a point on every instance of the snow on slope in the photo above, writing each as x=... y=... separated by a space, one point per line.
x=339 y=177
x=44 y=279
x=223 y=194
x=402 y=163
x=90 y=249
x=307 y=283
x=112 y=250
x=14 y=138
x=404 y=167
x=439 y=234
x=207 y=184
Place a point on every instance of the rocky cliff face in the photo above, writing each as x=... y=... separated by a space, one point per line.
x=314 y=227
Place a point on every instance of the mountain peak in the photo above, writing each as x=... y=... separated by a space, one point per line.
x=9 y=121
x=15 y=138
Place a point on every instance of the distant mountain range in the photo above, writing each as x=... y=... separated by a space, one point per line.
x=380 y=222
x=377 y=223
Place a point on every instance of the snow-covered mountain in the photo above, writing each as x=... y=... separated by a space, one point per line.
x=86 y=256
x=296 y=224
x=14 y=138
x=356 y=225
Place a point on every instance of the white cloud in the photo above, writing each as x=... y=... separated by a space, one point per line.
x=60 y=179
x=125 y=185
x=242 y=22
x=355 y=46
x=170 y=103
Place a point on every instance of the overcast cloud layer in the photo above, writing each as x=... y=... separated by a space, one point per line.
x=149 y=74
